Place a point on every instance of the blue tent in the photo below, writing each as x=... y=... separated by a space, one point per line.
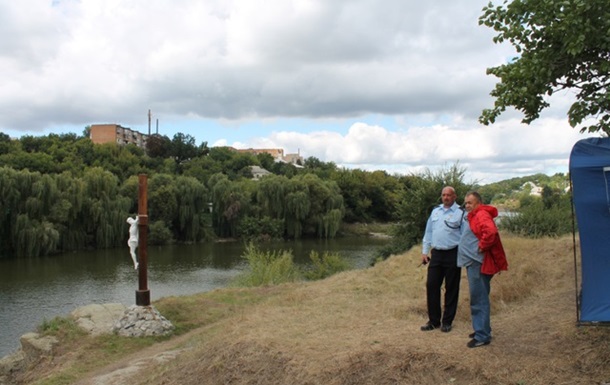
x=590 y=174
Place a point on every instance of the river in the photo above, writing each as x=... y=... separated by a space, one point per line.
x=37 y=289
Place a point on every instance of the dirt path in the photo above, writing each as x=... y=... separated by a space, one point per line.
x=123 y=371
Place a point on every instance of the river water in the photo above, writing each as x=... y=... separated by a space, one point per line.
x=38 y=289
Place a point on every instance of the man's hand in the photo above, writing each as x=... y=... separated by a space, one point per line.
x=425 y=259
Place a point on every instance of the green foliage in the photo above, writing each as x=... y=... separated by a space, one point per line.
x=325 y=266
x=54 y=325
x=268 y=267
x=63 y=328
x=421 y=194
x=546 y=216
x=183 y=148
x=562 y=45
x=159 y=233
x=535 y=221
x=368 y=196
x=261 y=229
x=62 y=193
x=507 y=192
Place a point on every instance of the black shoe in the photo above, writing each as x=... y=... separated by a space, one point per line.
x=446 y=328
x=475 y=343
x=471 y=335
x=427 y=327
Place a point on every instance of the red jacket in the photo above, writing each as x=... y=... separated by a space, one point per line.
x=484 y=228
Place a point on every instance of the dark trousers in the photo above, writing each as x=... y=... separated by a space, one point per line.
x=443 y=267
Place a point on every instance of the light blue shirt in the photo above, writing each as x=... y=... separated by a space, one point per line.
x=443 y=228
x=468 y=249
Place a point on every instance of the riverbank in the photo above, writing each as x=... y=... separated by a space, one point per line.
x=357 y=327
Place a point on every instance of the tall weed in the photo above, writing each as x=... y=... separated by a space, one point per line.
x=268 y=267
x=325 y=265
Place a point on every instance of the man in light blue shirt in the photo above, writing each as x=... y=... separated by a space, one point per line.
x=441 y=240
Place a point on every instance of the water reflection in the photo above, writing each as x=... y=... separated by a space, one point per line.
x=32 y=290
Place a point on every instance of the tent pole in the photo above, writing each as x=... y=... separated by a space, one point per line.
x=574 y=250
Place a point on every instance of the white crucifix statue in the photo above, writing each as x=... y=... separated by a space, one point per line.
x=132 y=242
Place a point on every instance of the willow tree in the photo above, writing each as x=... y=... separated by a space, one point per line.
x=10 y=194
x=298 y=207
x=192 y=203
x=163 y=200
x=104 y=210
x=324 y=197
x=66 y=212
x=231 y=203
x=34 y=238
x=271 y=194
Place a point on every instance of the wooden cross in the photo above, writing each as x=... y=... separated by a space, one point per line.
x=143 y=293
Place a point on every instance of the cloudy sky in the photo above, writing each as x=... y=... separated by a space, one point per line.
x=393 y=85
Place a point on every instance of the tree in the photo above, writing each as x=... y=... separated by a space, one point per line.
x=183 y=148
x=5 y=143
x=421 y=194
x=158 y=146
x=562 y=45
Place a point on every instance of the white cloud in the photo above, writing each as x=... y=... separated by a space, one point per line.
x=488 y=153
x=240 y=63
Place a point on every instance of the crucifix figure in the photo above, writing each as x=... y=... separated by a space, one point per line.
x=132 y=242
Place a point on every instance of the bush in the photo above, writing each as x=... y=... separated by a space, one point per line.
x=268 y=268
x=159 y=234
x=261 y=229
x=325 y=266
x=536 y=221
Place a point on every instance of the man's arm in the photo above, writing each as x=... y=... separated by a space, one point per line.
x=487 y=231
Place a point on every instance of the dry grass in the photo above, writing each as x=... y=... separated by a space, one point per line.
x=362 y=327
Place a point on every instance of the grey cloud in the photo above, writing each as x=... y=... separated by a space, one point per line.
x=339 y=59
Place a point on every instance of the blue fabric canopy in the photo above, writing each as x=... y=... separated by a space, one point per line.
x=590 y=173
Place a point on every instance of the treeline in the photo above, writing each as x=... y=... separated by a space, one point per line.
x=63 y=193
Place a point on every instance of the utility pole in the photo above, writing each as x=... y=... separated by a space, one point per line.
x=149 y=117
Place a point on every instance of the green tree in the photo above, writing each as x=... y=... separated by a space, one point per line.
x=271 y=195
x=192 y=202
x=562 y=44
x=162 y=198
x=183 y=148
x=5 y=143
x=158 y=146
x=421 y=194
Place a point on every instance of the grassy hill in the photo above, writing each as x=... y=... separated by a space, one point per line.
x=357 y=327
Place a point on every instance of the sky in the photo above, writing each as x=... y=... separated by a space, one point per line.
x=393 y=85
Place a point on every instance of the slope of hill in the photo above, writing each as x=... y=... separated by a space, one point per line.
x=361 y=327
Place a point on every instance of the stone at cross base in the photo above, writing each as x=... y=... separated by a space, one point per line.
x=142 y=321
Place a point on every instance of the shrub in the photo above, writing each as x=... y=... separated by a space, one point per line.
x=268 y=267
x=325 y=266
x=159 y=234
x=261 y=229
x=536 y=221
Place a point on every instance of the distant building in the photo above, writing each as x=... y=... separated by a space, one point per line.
x=258 y=172
x=295 y=159
x=276 y=153
x=534 y=190
x=114 y=133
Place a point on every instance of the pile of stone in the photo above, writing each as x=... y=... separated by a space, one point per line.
x=142 y=321
x=95 y=319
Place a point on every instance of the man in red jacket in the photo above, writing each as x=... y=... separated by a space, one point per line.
x=481 y=252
